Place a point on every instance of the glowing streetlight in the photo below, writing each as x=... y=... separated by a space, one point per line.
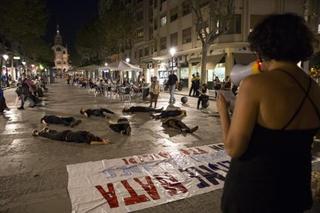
x=172 y=51
x=5 y=57
x=128 y=60
x=106 y=64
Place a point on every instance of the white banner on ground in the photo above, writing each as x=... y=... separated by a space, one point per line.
x=142 y=181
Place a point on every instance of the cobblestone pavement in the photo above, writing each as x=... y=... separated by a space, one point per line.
x=33 y=176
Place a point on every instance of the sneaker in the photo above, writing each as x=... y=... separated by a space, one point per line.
x=21 y=108
x=128 y=131
x=35 y=132
x=77 y=122
x=194 y=129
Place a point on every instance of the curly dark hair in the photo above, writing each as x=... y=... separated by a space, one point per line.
x=283 y=37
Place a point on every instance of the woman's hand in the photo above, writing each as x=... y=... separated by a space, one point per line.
x=222 y=104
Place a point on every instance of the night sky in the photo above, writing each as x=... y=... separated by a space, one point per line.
x=71 y=15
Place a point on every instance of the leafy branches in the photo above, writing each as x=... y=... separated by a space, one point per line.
x=23 y=24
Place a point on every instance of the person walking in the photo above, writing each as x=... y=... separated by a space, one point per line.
x=154 y=91
x=172 y=82
x=192 y=85
x=275 y=118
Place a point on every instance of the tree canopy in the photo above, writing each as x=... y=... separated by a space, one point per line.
x=108 y=34
x=23 y=25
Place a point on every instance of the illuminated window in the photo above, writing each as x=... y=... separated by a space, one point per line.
x=163 y=20
x=140 y=33
x=319 y=28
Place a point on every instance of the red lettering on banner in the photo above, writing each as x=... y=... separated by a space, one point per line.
x=110 y=196
x=134 y=197
x=133 y=161
x=164 y=154
x=196 y=151
x=184 y=152
x=125 y=161
x=200 y=151
x=170 y=184
x=155 y=156
x=149 y=188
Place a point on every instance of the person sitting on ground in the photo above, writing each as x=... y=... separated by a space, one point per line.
x=67 y=121
x=101 y=112
x=135 y=109
x=170 y=113
x=122 y=126
x=203 y=97
x=179 y=125
x=70 y=136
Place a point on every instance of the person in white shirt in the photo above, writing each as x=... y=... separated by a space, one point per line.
x=154 y=91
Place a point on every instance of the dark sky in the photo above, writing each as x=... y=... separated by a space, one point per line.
x=71 y=15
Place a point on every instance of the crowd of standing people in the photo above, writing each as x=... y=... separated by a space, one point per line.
x=31 y=88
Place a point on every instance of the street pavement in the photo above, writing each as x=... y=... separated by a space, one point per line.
x=33 y=175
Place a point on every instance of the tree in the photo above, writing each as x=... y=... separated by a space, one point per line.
x=110 y=33
x=212 y=19
x=118 y=23
x=89 y=43
x=23 y=24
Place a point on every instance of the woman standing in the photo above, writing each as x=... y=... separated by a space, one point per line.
x=275 y=118
x=154 y=91
x=3 y=104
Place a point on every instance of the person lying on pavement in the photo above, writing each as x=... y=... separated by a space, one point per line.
x=178 y=125
x=67 y=121
x=135 y=109
x=101 y=112
x=70 y=136
x=122 y=126
x=170 y=113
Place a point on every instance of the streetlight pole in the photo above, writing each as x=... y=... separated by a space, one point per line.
x=172 y=52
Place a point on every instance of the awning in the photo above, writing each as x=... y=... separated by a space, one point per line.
x=123 y=66
x=215 y=59
x=244 y=58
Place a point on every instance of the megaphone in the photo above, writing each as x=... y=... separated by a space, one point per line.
x=239 y=72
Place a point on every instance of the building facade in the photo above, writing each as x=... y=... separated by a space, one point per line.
x=61 y=56
x=162 y=24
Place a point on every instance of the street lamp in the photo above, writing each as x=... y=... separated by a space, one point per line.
x=5 y=57
x=172 y=52
x=106 y=64
x=128 y=60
